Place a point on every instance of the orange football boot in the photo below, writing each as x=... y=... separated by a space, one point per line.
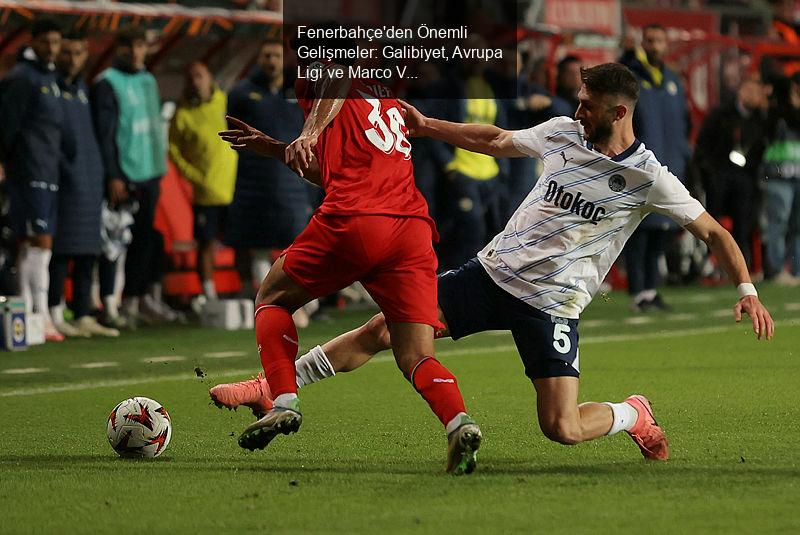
x=253 y=393
x=646 y=433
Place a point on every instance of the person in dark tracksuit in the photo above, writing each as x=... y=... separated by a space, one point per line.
x=80 y=198
x=126 y=107
x=728 y=156
x=470 y=211
x=270 y=204
x=661 y=122
x=533 y=106
x=30 y=143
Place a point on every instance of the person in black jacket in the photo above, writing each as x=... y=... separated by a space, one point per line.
x=30 y=143
x=270 y=205
x=80 y=197
x=568 y=81
x=728 y=155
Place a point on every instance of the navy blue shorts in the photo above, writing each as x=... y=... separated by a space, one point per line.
x=209 y=222
x=473 y=303
x=33 y=207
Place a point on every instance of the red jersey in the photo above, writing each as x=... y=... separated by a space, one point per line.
x=364 y=155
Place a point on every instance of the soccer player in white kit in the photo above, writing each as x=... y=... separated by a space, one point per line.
x=536 y=276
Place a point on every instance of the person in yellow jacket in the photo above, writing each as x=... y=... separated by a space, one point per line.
x=205 y=161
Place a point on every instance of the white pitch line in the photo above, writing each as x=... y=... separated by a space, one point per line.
x=680 y=317
x=22 y=371
x=695 y=299
x=722 y=313
x=225 y=354
x=639 y=320
x=92 y=385
x=498 y=333
x=93 y=365
x=595 y=323
x=165 y=358
x=792 y=306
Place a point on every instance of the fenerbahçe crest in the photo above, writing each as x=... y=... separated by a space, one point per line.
x=574 y=202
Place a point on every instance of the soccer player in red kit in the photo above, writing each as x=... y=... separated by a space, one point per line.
x=373 y=226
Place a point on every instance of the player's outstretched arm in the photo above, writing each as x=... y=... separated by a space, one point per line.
x=245 y=137
x=331 y=93
x=724 y=248
x=484 y=138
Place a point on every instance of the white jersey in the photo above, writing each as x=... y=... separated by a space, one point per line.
x=560 y=243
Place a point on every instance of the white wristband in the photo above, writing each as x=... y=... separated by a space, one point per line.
x=745 y=289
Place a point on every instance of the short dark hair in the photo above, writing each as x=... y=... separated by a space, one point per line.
x=611 y=79
x=654 y=26
x=42 y=26
x=566 y=60
x=271 y=40
x=74 y=35
x=129 y=34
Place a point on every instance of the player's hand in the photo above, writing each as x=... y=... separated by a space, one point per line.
x=117 y=191
x=763 y=325
x=300 y=153
x=539 y=102
x=415 y=121
x=243 y=136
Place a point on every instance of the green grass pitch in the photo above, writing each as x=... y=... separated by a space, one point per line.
x=370 y=455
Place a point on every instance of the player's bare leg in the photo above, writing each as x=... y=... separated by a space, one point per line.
x=278 y=297
x=563 y=420
x=412 y=345
x=344 y=353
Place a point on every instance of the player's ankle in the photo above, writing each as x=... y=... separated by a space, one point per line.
x=287 y=401
x=624 y=416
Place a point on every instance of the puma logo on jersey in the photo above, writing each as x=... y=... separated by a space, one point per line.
x=564 y=156
x=573 y=202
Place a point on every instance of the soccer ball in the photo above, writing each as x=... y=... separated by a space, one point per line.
x=139 y=427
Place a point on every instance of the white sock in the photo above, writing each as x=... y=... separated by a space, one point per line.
x=111 y=306
x=645 y=295
x=40 y=279
x=625 y=416
x=57 y=314
x=285 y=400
x=453 y=424
x=312 y=367
x=24 y=268
x=155 y=292
x=131 y=306
x=209 y=290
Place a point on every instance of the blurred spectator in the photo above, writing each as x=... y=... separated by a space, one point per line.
x=781 y=167
x=427 y=170
x=661 y=122
x=270 y=203
x=80 y=197
x=533 y=105
x=568 y=82
x=728 y=154
x=127 y=115
x=206 y=161
x=470 y=211
x=31 y=120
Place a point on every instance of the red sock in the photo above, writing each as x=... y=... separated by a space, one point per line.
x=277 y=346
x=439 y=387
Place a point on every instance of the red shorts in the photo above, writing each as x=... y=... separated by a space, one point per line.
x=391 y=256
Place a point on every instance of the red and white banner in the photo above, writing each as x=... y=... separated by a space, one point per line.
x=597 y=16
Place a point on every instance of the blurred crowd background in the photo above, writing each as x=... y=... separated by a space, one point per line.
x=121 y=207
